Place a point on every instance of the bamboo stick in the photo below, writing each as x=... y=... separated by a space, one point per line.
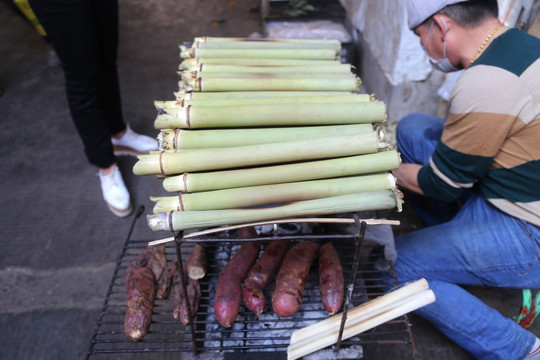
x=166 y=163
x=336 y=67
x=414 y=302
x=179 y=139
x=183 y=220
x=353 y=98
x=271 y=115
x=191 y=62
x=283 y=221
x=272 y=194
x=346 y=166
x=212 y=96
x=304 y=54
x=240 y=84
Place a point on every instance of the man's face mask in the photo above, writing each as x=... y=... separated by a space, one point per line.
x=443 y=64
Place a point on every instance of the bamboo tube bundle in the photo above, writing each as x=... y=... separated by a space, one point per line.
x=349 y=97
x=365 y=201
x=188 y=76
x=178 y=139
x=276 y=174
x=193 y=117
x=167 y=163
x=273 y=194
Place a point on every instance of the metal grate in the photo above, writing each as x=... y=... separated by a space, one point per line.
x=268 y=333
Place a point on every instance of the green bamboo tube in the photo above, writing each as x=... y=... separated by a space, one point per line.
x=336 y=45
x=302 y=54
x=212 y=39
x=187 y=75
x=351 y=84
x=310 y=170
x=271 y=115
x=167 y=163
x=273 y=194
x=207 y=96
x=162 y=105
x=337 y=67
x=366 y=201
x=191 y=62
x=179 y=139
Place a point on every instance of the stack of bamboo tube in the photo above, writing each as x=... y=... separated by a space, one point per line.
x=263 y=129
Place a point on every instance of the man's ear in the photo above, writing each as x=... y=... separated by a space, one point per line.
x=444 y=23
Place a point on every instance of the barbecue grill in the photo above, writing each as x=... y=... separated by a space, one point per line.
x=250 y=337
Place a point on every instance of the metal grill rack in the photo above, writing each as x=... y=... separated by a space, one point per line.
x=168 y=338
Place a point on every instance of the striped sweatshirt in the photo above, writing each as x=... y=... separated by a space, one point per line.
x=491 y=140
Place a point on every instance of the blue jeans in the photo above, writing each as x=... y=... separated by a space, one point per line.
x=480 y=245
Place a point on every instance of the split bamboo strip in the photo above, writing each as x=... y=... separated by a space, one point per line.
x=361 y=312
x=337 y=67
x=183 y=220
x=273 y=194
x=271 y=115
x=167 y=163
x=239 y=84
x=191 y=62
x=414 y=302
x=311 y=170
x=207 y=96
x=283 y=221
x=266 y=100
x=178 y=139
x=189 y=75
x=304 y=54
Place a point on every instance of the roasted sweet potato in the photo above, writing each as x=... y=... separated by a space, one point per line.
x=164 y=283
x=330 y=278
x=196 y=263
x=261 y=274
x=229 y=285
x=194 y=295
x=291 y=278
x=138 y=262
x=158 y=262
x=140 y=303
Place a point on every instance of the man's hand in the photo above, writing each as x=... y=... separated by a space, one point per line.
x=407 y=177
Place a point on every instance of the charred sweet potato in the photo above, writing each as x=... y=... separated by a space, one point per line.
x=194 y=295
x=291 y=278
x=196 y=263
x=261 y=274
x=330 y=278
x=229 y=285
x=164 y=283
x=140 y=303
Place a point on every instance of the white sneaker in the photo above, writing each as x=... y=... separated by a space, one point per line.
x=134 y=144
x=115 y=192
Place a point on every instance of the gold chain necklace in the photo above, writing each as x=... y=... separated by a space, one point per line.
x=475 y=57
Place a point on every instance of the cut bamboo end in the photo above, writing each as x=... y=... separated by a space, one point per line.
x=159 y=222
x=175 y=183
x=173 y=118
x=148 y=165
x=167 y=104
x=167 y=203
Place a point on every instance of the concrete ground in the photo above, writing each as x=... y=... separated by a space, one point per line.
x=59 y=242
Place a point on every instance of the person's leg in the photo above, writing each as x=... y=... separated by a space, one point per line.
x=71 y=28
x=106 y=22
x=417 y=135
x=480 y=246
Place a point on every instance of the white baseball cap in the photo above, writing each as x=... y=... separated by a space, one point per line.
x=419 y=11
